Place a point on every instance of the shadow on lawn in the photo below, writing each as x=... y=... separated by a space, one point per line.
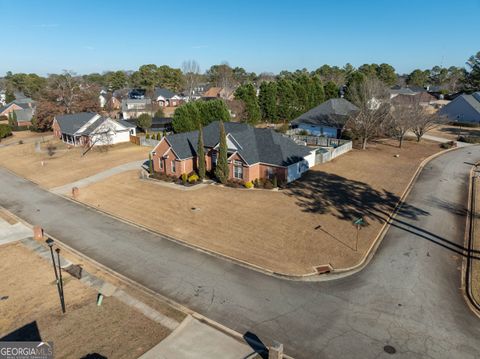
x=321 y=192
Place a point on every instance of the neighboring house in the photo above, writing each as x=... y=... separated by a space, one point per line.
x=24 y=108
x=397 y=90
x=218 y=92
x=464 y=108
x=158 y=124
x=103 y=98
x=327 y=119
x=166 y=98
x=24 y=117
x=253 y=153
x=91 y=129
x=132 y=108
x=422 y=98
x=114 y=103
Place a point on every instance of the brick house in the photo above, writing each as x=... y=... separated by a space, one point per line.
x=253 y=153
x=166 y=98
x=24 y=109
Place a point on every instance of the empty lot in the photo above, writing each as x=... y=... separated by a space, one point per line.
x=290 y=231
x=67 y=164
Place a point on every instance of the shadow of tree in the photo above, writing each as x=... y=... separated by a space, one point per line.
x=321 y=192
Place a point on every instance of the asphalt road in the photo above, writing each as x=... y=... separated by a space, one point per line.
x=407 y=297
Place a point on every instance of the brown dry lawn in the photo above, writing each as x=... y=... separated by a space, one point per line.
x=452 y=132
x=289 y=231
x=113 y=330
x=24 y=136
x=67 y=164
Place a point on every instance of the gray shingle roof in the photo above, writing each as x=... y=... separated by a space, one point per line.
x=165 y=93
x=69 y=124
x=24 y=115
x=334 y=113
x=472 y=101
x=253 y=144
x=126 y=124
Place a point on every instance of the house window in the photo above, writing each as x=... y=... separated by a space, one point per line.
x=238 y=169
x=173 y=166
x=160 y=163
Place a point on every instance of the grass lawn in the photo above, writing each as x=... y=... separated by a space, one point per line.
x=67 y=164
x=113 y=330
x=289 y=231
x=452 y=132
x=24 y=136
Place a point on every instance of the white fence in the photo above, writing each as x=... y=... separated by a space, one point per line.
x=326 y=154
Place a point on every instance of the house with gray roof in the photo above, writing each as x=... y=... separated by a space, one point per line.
x=253 y=153
x=166 y=98
x=91 y=129
x=464 y=108
x=24 y=109
x=327 y=119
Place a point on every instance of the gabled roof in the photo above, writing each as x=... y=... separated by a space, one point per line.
x=24 y=115
x=333 y=113
x=70 y=124
x=127 y=124
x=470 y=100
x=254 y=145
x=165 y=93
x=20 y=103
x=213 y=92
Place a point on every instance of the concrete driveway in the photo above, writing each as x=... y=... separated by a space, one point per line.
x=409 y=296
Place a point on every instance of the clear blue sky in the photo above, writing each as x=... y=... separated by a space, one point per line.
x=93 y=36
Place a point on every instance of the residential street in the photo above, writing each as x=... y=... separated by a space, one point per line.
x=407 y=297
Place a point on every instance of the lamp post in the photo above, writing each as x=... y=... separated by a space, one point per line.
x=50 y=243
x=62 y=297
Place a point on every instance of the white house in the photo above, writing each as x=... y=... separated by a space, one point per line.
x=91 y=129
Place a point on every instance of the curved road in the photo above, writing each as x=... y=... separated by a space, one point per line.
x=408 y=297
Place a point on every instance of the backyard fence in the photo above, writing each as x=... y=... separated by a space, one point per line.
x=318 y=140
x=327 y=154
x=135 y=140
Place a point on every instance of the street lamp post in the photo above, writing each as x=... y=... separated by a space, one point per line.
x=50 y=243
x=62 y=298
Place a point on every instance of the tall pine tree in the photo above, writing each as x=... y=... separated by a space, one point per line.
x=221 y=170
x=201 y=154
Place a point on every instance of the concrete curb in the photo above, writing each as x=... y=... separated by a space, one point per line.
x=466 y=273
x=230 y=332
x=313 y=276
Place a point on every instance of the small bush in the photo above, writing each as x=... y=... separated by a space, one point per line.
x=147 y=136
x=163 y=177
x=303 y=133
x=193 y=178
x=447 y=145
x=184 y=178
x=274 y=182
x=469 y=139
x=234 y=183
x=51 y=150
x=5 y=131
x=258 y=183
x=159 y=136
x=283 y=128
x=248 y=184
x=20 y=142
x=268 y=184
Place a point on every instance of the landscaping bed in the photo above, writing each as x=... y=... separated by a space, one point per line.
x=293 y=230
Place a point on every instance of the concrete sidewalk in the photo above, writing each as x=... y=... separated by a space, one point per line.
x=439 y=139
x=196 y=340
x=84 y=182
x=13 y=232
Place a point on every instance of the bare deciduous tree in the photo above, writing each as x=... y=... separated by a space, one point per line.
x=191 y=74
x=67 y=89
x=372 y=98
x=401 y=120
x=422 y=121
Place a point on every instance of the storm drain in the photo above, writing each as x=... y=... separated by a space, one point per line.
x=389 y=349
